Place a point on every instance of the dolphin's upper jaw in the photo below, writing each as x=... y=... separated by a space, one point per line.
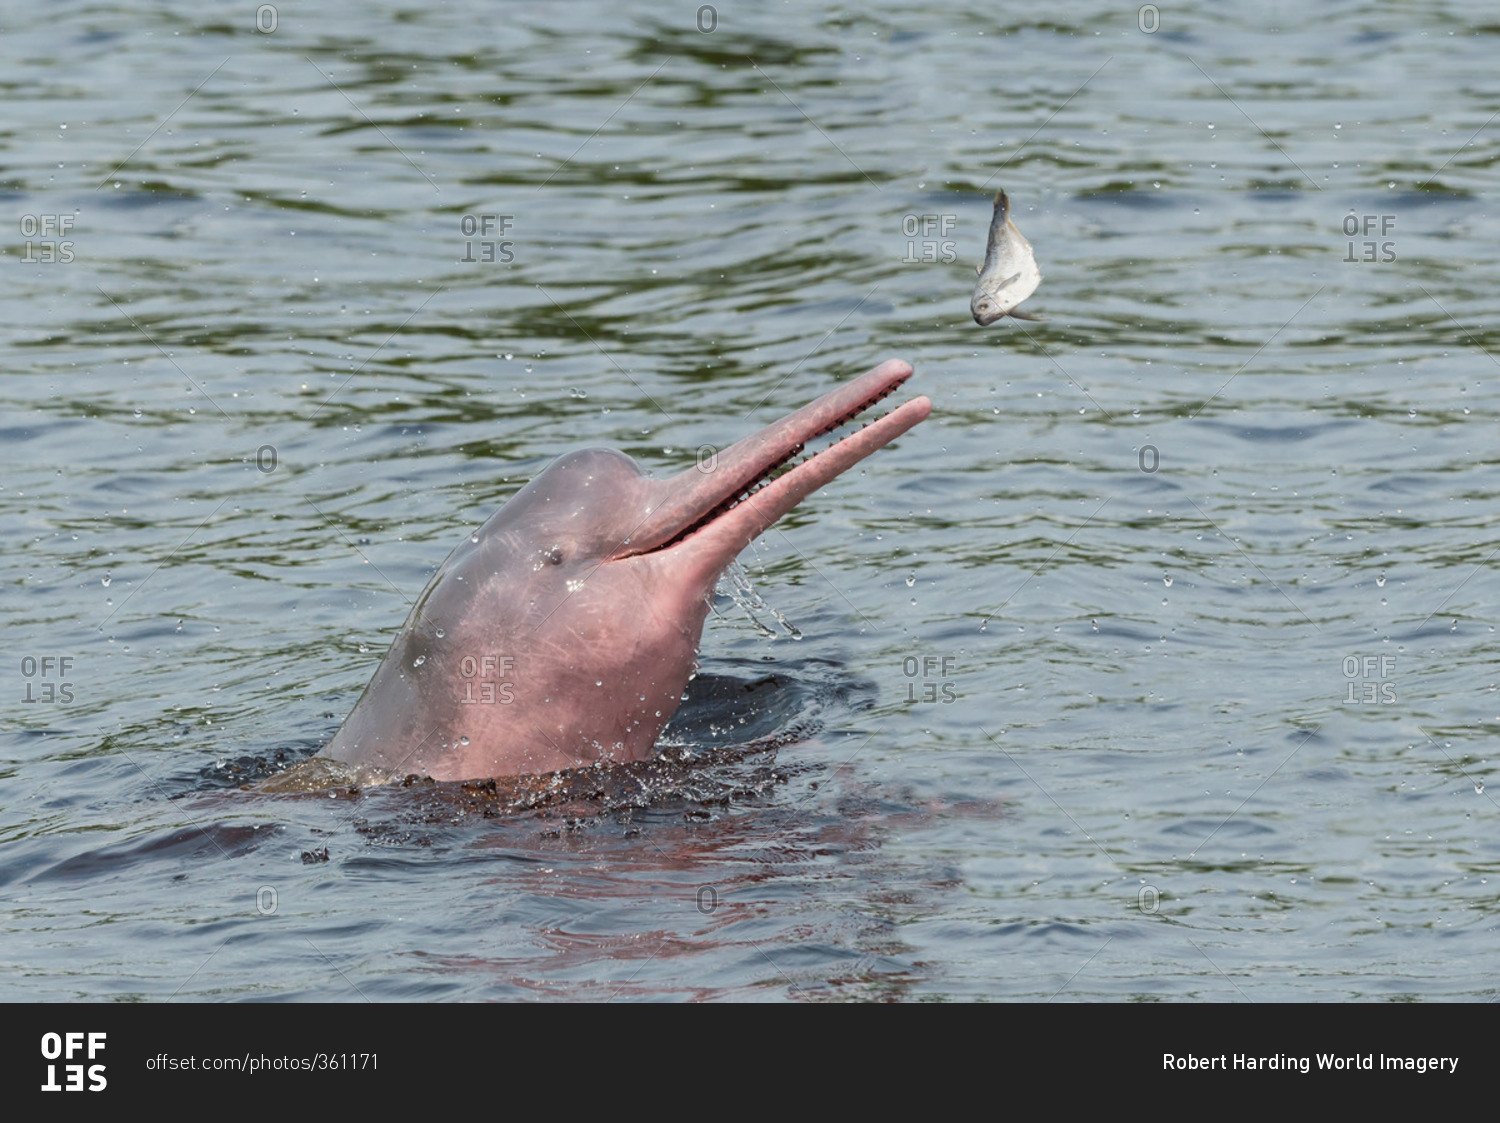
x=734 y=498
x=743 y=494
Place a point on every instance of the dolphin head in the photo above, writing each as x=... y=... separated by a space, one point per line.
x=564 y=631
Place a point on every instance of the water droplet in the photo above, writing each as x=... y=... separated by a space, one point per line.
x=419 y=660
x=911 y=579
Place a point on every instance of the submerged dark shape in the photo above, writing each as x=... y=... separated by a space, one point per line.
x=1009 y=273
x=564 y=631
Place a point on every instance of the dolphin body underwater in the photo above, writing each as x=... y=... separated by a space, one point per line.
x=563 y=632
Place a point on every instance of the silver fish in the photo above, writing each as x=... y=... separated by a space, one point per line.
x=1009 y=273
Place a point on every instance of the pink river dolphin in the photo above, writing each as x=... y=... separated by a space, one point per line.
x=564 y=631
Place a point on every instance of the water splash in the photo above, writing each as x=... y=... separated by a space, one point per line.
x=735 y=584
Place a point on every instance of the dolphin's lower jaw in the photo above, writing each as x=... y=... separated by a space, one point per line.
x=566 y=630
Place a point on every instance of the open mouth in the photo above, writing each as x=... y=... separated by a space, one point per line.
x=754 y=481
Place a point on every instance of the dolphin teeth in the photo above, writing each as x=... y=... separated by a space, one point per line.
x=772 y=471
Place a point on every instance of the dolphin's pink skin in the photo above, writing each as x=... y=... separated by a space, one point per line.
x=564 y=631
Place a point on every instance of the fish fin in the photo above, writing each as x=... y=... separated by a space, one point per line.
x=1018 y=314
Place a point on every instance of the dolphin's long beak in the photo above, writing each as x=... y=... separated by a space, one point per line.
x=725 y=508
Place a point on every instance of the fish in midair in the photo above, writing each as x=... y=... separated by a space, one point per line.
x=1009 y=273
